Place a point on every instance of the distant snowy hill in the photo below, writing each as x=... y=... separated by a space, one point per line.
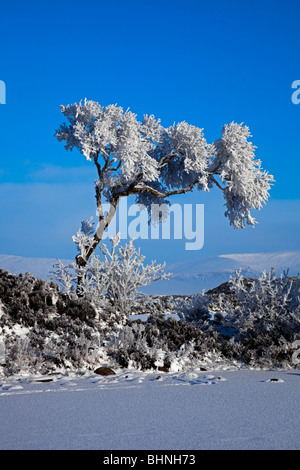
x=39 y=267
x=189 y=277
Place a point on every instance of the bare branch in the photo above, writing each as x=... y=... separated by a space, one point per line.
x=166 y=159
x=217 y=183
x=116 y=168
x=140 y=189
x=98 y=166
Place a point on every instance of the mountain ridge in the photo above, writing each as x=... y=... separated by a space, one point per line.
x=189 y=277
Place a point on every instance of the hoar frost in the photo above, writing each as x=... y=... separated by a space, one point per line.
x=153 y=163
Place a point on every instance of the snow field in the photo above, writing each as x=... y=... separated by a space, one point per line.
x=133 y=410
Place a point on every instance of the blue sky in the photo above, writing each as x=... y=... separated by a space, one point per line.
x=208 y=63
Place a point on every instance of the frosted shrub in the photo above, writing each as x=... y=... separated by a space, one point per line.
x=254 y=321
x=26 y=299
x=270 y=303
x=127 y=272
x=42 y=328
x=112 y=279
x=41 y=351
x=194 y=309
x=19 y=355
x=165 y=342
x=266 y=319
x=152 y=304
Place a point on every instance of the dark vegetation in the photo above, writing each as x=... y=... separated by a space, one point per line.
x=251 y=322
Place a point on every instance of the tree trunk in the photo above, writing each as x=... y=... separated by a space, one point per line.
x=82 y=258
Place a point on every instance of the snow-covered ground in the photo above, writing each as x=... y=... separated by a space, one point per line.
x=132 y=410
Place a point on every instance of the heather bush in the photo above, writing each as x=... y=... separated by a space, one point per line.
x=265 y=321
x=250 y=322
x=166 y=342
x=42 y=328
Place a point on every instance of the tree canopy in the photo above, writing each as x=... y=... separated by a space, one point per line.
x=145 y=159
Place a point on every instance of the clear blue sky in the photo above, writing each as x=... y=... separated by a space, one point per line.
x=205 y=62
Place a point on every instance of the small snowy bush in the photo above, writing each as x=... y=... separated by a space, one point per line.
x=271 y=303
x=165 y=342
x=112 y=279
x=266 y=318
x=196 y=309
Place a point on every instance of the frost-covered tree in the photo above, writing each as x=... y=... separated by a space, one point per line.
x=144 y=159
